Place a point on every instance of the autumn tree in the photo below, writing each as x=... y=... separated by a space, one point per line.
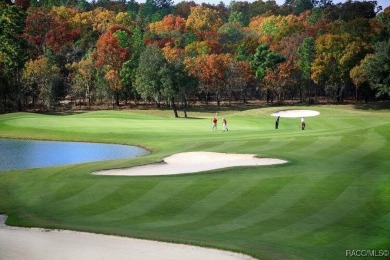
x=203 y=19
x=83 y=76
x=272 y=29
x=211 y=71
x=170 y=30
x=110 y=56
x=38 y=22
x=183 y=8
x=336 y=56
x=101 y=19
x=197 y=48
x=62 y=34
x=287 y=78
x=125 y=19
x=360 y=79
x=238 y=77
x=39 y=77
x=168 y=24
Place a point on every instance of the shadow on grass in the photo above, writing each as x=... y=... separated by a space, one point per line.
x=189 y=117
x=374 y=106
x=222 y=108
x=66 y=113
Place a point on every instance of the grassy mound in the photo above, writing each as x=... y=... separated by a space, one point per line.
x=332 y=196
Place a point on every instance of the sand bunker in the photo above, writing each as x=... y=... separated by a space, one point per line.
x=192 y=162
x=35 y=243
x=296 y=113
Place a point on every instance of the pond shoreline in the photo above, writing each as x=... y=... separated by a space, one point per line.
x=29 y=153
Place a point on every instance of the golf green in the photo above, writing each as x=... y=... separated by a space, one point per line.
x=333 y=195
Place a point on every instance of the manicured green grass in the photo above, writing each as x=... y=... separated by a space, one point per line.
x=332 y=196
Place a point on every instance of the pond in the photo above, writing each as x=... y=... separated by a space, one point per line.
x=25 y=154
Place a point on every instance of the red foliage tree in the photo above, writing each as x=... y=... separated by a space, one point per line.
x=109 y=52
x=60 y=36
x=38 y=22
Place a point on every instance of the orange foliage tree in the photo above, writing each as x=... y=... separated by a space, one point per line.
x=211 y=71
x=110 y=56
x=168 y=24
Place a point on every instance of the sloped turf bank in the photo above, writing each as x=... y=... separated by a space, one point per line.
x=331 y=197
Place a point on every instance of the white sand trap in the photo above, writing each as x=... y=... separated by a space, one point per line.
x=296 y=113
x=35 y=243
x=192 y=162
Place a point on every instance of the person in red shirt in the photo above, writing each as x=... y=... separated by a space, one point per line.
x=214 y=124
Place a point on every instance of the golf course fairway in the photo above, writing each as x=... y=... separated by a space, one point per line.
x=332 y=195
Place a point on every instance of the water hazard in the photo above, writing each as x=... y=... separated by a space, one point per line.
x=25 y=154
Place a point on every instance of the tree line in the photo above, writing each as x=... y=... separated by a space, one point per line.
x=114 y=52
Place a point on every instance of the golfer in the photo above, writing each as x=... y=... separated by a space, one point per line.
x=303 y=125
x=224 y=125
x=214 y=124
x=277 y=122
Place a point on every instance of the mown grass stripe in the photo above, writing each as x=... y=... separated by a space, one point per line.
x=342 y=206
x=207 y=205
x=271 y=206
x=119 y=195
x=85 y=196
x=317 y=146
x=229 y=146
x=168 y=209
x=368 y=143
x=321 y=195
x=148 y=200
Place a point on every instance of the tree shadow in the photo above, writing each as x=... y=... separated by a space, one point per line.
x=189 y=117
x=66 y=113
x=374 y=106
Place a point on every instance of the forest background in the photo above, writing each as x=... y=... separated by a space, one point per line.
x=61 y=54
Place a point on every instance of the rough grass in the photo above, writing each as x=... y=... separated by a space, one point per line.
x=332 y=196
